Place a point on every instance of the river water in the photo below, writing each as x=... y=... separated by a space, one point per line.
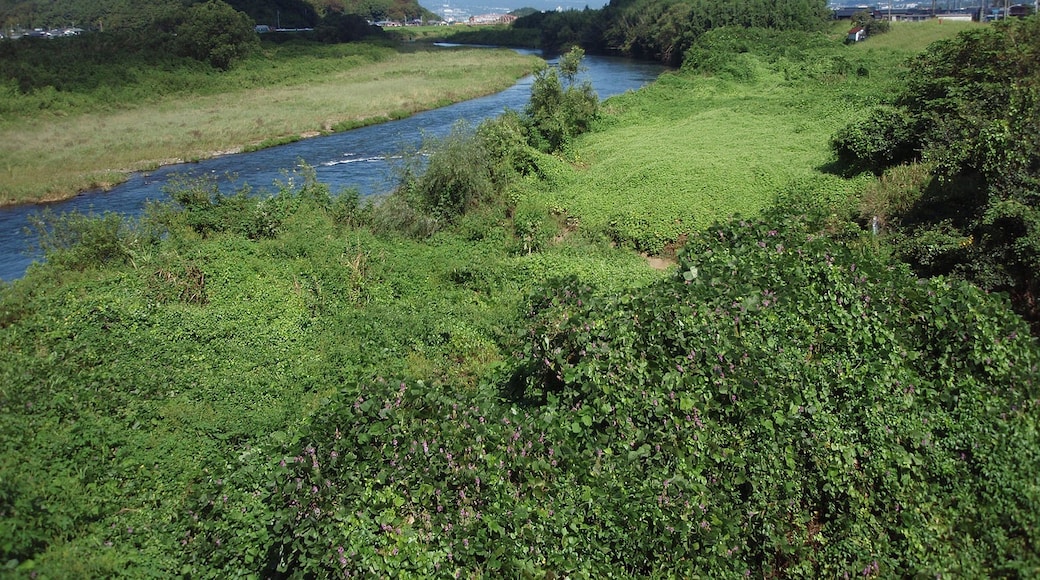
x=360 y=158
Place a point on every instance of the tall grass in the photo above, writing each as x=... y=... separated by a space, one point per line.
x=55 y=156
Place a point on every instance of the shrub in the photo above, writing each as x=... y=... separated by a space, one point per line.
x=393 y=214
x=504 y=139
x=885 y=137
x=561 y=109
x=216 y=33
x=893 y=194
x=792 y=399
x=79 y=241
x=783 y=406
x=457 y=176
x=199 y=205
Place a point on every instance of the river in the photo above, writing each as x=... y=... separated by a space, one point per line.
x=359 y=158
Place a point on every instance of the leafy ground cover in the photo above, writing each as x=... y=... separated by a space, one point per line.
x=756 y=121
x=295 y=386
x=125 y=385
x=782 y=406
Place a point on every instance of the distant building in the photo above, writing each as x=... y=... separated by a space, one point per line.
x=856 y=34
x=1019 y=11
x=957 y=16
x=492 y=19
x=846 y=12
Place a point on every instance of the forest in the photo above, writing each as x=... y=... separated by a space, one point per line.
x=794 y=343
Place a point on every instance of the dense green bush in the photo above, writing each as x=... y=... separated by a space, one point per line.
x=885 y=137
x=870 y=25
x=216 y=33
x=839 y=398
x=784 y=406
x=969 y=110
x=78 y=241
x=456 y=177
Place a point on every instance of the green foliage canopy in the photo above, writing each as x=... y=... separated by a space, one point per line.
x=664 y=29
x=970 y=111
x=216 y=33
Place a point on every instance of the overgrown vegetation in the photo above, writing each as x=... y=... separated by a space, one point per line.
x=872 y=26
x=471 y=169
x=115 y=15
x=298 y=385
x=216 y=33
x=969 y=115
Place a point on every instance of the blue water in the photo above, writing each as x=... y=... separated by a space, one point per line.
x=361 y=158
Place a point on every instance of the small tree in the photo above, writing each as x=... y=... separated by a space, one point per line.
x=456 y=176
x=870 y=25
x=561 y=109
x=216 y=33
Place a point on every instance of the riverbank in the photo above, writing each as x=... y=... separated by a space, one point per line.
x=506 y=397
x=49 y=157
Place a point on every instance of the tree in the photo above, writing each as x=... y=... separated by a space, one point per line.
x=970 y=112
x=216 y=33
x=561 y=108
x=872 y=26
x=338 y=27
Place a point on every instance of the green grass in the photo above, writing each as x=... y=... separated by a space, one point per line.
x=690 y=150
x=912 y=37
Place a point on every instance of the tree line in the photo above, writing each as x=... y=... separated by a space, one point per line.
x=165 y=35
x=112 y=15
x=664 y=29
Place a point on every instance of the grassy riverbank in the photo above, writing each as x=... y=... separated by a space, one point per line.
x=53 y=145
x=729 y=134
x=293 y=386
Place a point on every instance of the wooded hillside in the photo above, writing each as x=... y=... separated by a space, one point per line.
x=123 y=14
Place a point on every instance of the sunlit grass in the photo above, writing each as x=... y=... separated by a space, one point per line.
x=691 y=150
x=913 y=37
x=52 y=158
x=707 y=150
